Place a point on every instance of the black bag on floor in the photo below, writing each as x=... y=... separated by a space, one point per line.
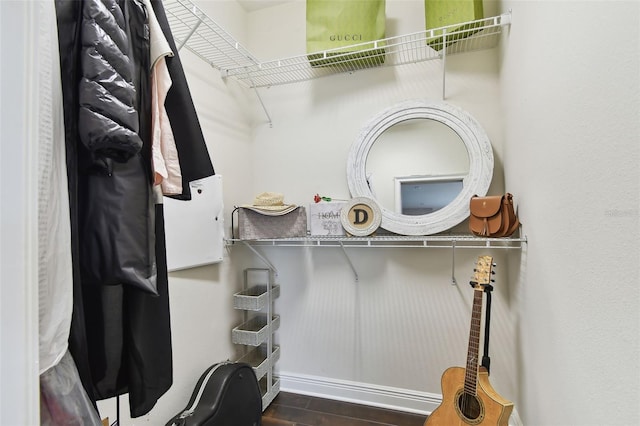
x=227 y=394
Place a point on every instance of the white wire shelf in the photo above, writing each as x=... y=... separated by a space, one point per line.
x=452 y=242
x=194 y=30
x=430 y=241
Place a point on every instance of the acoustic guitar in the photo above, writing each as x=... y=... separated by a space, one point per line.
x=467 y=396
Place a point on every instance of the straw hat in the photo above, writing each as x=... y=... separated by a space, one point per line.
x=270 y=204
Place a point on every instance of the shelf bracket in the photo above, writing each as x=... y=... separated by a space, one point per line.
x=193 y=30
x=263 y=107
x=444 y=62
x=264 y=259
x=255 y=89
x=346 y=255
x=453 y=264
x=454 y=282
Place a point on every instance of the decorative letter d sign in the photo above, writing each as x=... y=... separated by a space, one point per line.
x=361 y=217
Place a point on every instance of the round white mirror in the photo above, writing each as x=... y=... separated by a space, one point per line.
x=446 y=158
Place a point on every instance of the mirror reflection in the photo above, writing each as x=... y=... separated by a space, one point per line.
x=417 y=166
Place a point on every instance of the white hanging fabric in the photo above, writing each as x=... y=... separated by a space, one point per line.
x=54 y=233
x=63 y=400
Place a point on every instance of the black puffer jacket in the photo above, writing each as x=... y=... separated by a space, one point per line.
x=117 y=214
x=108 y=120
x=121 y=335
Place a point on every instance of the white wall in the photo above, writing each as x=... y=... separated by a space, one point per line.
x=571 y=104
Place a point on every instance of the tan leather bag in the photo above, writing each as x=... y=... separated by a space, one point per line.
x=493 y=216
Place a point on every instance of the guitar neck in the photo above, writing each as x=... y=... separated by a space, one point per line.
x=471 y=371
x=477 y=403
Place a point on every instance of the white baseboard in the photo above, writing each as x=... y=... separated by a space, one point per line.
x=368 y=394
x=360 y=393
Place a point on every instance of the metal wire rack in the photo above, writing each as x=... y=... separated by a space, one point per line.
x=194 y=30
x=452 y=242
x=395 y=241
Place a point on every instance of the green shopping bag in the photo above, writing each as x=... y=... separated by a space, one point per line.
x=442 y=13
x=338 y=25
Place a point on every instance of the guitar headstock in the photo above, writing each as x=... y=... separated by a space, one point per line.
x=482 y=272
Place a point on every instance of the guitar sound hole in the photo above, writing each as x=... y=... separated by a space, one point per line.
x=469 y=406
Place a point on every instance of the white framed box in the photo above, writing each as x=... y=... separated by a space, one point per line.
x=324 y=219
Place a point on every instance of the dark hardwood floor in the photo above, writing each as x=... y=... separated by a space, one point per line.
x=289 y=409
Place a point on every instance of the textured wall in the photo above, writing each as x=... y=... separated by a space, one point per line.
x=571 y=88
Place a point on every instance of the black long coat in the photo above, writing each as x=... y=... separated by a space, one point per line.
x=120 y=335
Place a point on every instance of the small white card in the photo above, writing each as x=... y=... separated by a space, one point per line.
x=324 y=219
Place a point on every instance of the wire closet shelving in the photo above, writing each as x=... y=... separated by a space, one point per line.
x=201 y=35
x=453 y=242
x=193 y=29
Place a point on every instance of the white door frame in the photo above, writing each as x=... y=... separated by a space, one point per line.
x=19 y=384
